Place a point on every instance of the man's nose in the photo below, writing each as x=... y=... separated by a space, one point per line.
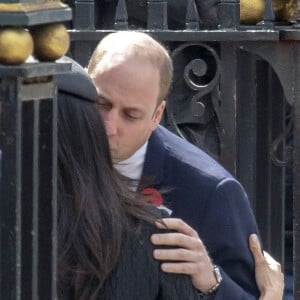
x=110 y=122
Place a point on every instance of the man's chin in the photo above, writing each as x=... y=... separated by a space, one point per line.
x=115 y=158
x=116 y=155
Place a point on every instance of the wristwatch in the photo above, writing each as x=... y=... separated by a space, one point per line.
x=210 y=293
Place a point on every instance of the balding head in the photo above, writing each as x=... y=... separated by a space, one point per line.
x=121 y=46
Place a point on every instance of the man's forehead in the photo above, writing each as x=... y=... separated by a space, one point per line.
x=109 y=61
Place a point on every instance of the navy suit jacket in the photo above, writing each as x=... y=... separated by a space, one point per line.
x=210 y=200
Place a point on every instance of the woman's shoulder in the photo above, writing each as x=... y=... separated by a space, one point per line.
x=138 y=275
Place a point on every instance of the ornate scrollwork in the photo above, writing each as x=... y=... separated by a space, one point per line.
x=284 y=140
x=192 y=107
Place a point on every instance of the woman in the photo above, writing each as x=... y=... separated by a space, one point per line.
x=104 y=249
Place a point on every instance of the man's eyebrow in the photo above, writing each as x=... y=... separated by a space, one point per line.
x=103 y=98
x=128 y=109
x=133 y=109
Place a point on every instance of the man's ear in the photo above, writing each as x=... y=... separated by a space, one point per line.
x=158 y=113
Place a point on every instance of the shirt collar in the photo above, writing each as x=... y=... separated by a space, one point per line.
x=132 y=167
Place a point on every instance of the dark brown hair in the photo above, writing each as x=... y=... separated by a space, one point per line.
x=96 y=209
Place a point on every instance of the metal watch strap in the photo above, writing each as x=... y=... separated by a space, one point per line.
x=208 y=294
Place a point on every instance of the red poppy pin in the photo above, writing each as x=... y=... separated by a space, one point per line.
x=153 y=196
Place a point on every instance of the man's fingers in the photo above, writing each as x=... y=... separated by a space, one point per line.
x=180 y=268
x=269 y=258
x=254 y=243
x=176 y=239
x=178 y=225
x=177 y=255
x=274 y=265
x=255 y=248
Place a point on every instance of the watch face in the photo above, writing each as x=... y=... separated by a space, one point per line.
x=212 y=290
x=218 y=274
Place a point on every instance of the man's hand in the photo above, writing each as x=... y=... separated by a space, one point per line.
x=188 y=256
x=269 y=277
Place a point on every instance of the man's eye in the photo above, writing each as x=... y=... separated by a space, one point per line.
x=103 y=106
x=132 y=117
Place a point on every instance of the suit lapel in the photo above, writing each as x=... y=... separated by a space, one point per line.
x=153 y=169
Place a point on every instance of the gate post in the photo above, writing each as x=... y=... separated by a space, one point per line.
x=28 y=143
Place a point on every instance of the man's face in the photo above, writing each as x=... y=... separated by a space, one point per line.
x=128 y=93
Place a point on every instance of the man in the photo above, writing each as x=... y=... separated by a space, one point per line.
x=132 y=74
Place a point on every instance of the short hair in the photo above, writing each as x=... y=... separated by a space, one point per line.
x=133 y=44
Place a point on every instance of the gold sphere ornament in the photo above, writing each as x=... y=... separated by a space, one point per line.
x=252 y=11
x=51 y=41
x=16 y=45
